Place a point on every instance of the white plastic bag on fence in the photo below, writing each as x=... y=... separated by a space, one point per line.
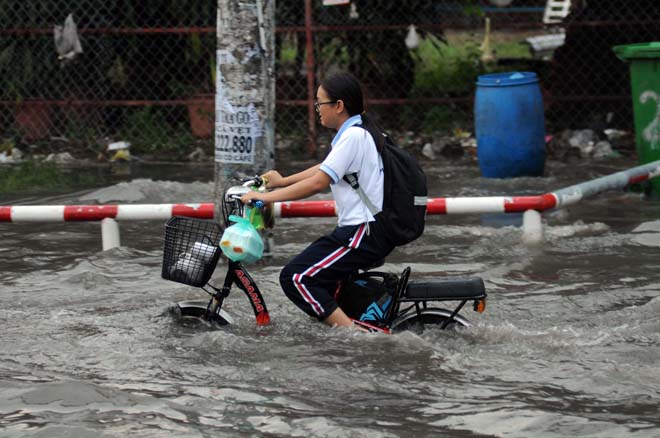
x=67 y=42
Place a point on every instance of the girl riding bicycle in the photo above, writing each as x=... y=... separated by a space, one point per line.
x=359 y=241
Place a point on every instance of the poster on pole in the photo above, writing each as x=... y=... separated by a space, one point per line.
x=236 y=133
x=237 y=128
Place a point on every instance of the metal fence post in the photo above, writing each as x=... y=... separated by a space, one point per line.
x=311 y=89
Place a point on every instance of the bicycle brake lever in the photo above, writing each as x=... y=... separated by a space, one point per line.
x=257 y=181
x=254 y=203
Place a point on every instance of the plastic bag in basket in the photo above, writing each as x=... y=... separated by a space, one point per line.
x=191 y=267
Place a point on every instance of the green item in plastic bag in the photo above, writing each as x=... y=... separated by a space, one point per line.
x=241 y=242
x=255 y=216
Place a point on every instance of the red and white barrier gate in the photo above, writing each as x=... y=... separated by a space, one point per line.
x=532 y=205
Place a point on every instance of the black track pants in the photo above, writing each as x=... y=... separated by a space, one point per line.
x=311 y=279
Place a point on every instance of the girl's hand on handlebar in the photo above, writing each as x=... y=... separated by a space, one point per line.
x=273 y=179
x=252 y=196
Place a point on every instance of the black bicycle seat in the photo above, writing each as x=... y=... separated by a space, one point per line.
x=446 y=289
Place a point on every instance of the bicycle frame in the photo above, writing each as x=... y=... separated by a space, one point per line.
x=238 y=275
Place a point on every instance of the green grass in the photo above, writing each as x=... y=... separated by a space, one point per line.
x=451 y=69
x=149 y=132
x=446 y=68
x=512 y=49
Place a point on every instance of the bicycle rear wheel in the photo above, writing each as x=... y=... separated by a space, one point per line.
x=428 y=318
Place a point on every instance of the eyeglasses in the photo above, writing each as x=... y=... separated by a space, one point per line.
x=317 y=105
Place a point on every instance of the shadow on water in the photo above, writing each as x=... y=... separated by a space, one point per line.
x=568 y=345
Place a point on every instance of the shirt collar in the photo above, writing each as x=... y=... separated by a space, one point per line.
x=351 y=121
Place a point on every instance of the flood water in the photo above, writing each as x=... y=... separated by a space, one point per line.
x=569 y=344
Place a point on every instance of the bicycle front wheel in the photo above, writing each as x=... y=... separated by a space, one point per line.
x=428 y=318
x=197 y=309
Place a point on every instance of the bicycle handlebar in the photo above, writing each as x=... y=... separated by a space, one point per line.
x=232 y=204
x=252 y=183
x=255 y=181
x=254 y=203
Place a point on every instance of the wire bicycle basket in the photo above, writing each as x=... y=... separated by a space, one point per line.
x=191 y=250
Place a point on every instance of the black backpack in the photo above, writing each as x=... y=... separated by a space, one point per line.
x=405 y=194
x=368 y=296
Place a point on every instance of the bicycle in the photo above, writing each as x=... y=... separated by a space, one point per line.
x=376 y=301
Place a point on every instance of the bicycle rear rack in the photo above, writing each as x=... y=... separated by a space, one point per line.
x=420 y=293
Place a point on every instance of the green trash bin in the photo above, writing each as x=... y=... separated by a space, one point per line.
x=644 y=61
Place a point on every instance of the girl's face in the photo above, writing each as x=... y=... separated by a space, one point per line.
x=327 y=109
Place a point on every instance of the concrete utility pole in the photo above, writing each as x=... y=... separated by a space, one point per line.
x=245 y=90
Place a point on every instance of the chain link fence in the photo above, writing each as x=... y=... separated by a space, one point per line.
x=146 y=71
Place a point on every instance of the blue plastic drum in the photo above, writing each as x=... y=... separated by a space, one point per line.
x=509 y=125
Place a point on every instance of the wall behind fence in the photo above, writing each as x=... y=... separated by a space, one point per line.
x=145 y=74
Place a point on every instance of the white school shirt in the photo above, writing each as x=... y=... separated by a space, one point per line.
x=354 y=151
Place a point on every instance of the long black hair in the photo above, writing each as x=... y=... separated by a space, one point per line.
x=346 y=87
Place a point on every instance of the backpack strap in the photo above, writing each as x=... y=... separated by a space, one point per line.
x=351 y=178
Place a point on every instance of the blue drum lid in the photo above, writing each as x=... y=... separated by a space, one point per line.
x=507 y=79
